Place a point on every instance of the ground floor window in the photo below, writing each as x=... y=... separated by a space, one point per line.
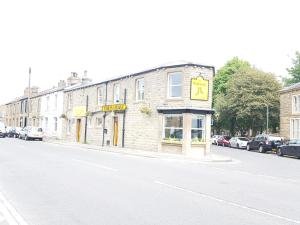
x=295 y=129
x=55 y=123
x=173 y=127
x=69 y=126
x=198 y=128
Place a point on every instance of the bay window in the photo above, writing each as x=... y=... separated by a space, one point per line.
x=173 y=127
x=198 y=128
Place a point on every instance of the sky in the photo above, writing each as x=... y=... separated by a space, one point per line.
x=115 y=38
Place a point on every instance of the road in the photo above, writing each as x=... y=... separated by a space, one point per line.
x=50 y=184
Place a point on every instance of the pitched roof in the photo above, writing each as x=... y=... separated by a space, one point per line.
x=290 y=88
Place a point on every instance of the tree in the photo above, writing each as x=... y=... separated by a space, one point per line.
x=294 y=71
x=225 y=73
x=221 y=79
x=248 y=93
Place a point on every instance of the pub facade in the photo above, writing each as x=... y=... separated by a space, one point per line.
x=165 y=109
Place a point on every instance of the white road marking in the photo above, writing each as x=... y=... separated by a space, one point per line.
x=9 y=213
x=259 y=175
x=96 y=165
x=228 y=202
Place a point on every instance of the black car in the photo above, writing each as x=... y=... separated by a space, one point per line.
x=264 y=143
x=292 y=148
x=11 y=133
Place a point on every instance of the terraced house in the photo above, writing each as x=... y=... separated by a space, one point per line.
x=162 y=109
x=290 y=112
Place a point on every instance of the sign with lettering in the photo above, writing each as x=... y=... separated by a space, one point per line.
x=79 y=111
x=115 y=107
x=199 y=89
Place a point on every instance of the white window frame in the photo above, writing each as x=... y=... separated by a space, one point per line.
x=296 y=107
x=69 y=96
x=170 y=86
x=47 y=103
x=139 y=89
x=116 y=91
x=295 y=133
x=55 y=101
x=55 y=123
x=203 y=128
x=179 y=128
x=100 y=98
x=96 y=121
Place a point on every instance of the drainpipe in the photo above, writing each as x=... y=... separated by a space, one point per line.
x=104 y=116
x=124 y=114
x=86 y=118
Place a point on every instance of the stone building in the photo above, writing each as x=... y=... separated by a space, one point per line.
x=162 y=109
x=290 y=112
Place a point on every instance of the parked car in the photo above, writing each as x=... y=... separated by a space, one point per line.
x=214 y=139
x=264 y=143
x=10 y=132
x=238 y=142
x=31 y=133
x=223 y=140
x=18 y=129
x=2 y=130
x=292 y=148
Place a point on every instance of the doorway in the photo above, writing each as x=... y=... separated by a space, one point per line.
x=116 y=131
x=78 y=130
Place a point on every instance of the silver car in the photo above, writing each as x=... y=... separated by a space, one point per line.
x=31 y=133
x=238 y=142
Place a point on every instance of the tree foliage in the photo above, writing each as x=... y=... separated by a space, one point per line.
x=244 y=104
x=225 y=73
x=294 y=71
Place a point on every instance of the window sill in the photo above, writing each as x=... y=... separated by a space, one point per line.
x=198 y=143
x=171 y=142
x=174 y=99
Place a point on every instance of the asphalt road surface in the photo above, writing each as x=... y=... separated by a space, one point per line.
x=50 y=184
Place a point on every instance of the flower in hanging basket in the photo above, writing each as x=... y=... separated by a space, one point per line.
x=146 y=110
x=63 y=116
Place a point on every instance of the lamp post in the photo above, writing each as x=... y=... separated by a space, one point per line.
x=267 y=119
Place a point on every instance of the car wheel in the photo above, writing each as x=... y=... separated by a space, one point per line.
x=261 y=149
x=248 y=148
x=237 y=146
x=279 y=152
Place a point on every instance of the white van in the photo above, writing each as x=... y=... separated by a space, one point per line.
x=2 y=130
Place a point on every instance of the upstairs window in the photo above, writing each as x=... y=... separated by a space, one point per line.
x=100 y=96
x=139 y=89
x=116 y=93
x=296 y=104
x=175 y=85
x=70 y=101
x=47 y=102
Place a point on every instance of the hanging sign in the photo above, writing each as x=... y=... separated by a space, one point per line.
x=115 y=107
x=199 y=89
x=79 y=111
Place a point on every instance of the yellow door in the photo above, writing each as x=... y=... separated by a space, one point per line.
x=116 y=127
x=78 y=127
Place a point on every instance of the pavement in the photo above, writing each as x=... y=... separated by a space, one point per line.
x=211 y=157
x=54 y=184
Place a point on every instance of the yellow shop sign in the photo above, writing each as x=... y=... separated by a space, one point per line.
x=199 y=89
x=79 y=111
x=116 y=107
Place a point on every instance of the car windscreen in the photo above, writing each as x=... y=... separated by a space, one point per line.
x=227 y=138
x=243 y=139
x=272 y=138
x=37 y=129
